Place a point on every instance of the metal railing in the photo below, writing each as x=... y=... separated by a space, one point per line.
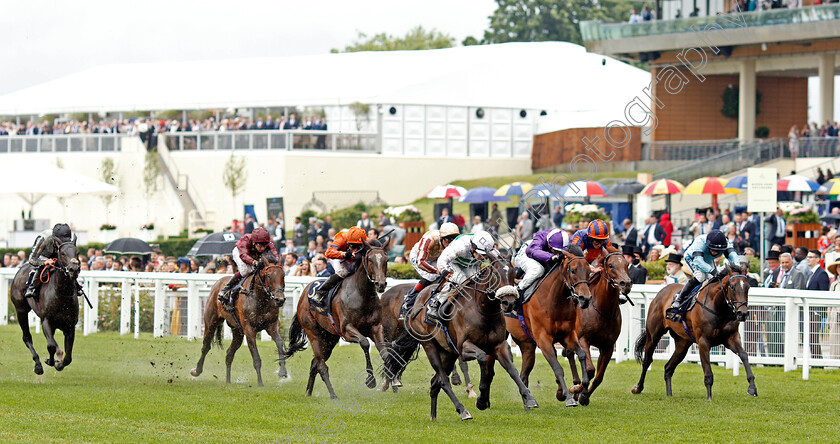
x=274 y=140
x=199 y=216
x=595 y=30
x=60 y=143
x=792 y=328
x=688 y=149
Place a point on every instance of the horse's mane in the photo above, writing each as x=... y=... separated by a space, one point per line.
x=576 y=250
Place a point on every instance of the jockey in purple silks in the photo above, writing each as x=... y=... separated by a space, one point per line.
x=536 y=255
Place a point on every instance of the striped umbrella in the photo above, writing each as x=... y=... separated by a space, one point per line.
x=663 y=186
x=709 y=185
x=583 y=188
x=796 y=183
x=832 y=186
x=446 y=191
x=737 y=183
x=514 y=189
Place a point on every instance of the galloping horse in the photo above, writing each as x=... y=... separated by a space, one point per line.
x=476 y=330
x=257 y=308
x=354 y=315
x=550 y=316
x=600 y=323
x=55 y=303
x=722 y=306
x=392 y=301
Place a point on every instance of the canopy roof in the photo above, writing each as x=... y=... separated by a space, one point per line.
x=48 y=180
x=554 y=76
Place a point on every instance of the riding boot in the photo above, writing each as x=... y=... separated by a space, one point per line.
x=225 y=294
x=674 y=312
x=438 y=305
x=30 y=283
x=325 y=288
x=408 y=302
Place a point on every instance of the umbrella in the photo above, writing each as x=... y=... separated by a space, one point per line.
x=482 y=194
x=215 y=243
x=128 y=245
x=631 y=188
x=737 y=183
x=832 y=186
x=514 y=189
x=583 y=188
x=709 y=185
x=796 y=183
x=663 y=186
x=446 y=191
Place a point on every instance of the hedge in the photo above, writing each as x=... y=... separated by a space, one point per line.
x=402 y=271
x=175 y=246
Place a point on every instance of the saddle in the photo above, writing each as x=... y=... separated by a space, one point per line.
x=526 y=295
x=690 y=299
x=324 y=308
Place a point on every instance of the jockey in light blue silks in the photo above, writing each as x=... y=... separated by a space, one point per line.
x=700 y=257
x=538 y=254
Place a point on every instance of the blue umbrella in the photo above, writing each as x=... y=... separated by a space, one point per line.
x=548 y=190
x=737 y=182
x=482 y=194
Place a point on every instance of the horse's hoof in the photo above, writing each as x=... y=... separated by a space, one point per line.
x=59 y=366
x=195 y=372
x=394 y=389
x=50 y=362
x=465 y=415
x=371 y=382
x=752 y=391
x=39 y=369
x=571 y=402
x=456 y=379
x=282 y=374
x=396 y=383
x=530 y=403
x=583 y=400
x=575 y=389
x=481 y=404
x=333 y=397
x=636 y=390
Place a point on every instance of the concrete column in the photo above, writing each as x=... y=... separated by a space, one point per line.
x=826 y=70
x=746 y=100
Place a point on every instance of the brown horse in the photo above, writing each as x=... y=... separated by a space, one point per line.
x=550 y=316
x=55 y=303
x=392 y=301
x=257 y=308
x=355 y=315
x=600 y=323
x=476 y=331
x=722 y=305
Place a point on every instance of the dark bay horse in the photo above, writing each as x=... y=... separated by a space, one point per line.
x=257 y=308
x=551 y=316
x=600 y=323
x=476 y=331
x=721 y=306
x=355 y=316
x=392 y=301
x=55 y=303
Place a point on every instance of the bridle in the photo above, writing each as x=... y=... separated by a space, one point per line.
x=606 y=274
x=365 y=259
x=566 y=279
x=272 y=294
x=64 y=268
x=732 y=304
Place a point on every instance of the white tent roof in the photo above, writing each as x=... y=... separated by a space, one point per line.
x=554 y=76
x=48 y=180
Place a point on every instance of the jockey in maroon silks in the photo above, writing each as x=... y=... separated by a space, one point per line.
x=246 y=254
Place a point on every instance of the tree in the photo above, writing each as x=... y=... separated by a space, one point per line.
x=108 y=173
x=417 y=38
x=549 y=20
x=235 y=177
x=151 y=171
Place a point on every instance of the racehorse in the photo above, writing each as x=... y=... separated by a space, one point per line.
x=354 y=315
x=392 y=301
x=476 y=330
x=600 y=323
x=550 y=316
x=257 y=308
x=55 y=303
x=723 y=305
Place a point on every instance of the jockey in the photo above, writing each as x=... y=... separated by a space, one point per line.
x=346 y=245
x=423 y=258
x=700 y=257
x=590 y=240
x=246 y=254
x=536 y=255
x=45 y=252
x=460 y=261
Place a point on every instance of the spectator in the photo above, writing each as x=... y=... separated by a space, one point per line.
x=773 y=270
x=310 y=250
x=444 y=217
x=495 y=218
x=652 y=235
x=384 y=220
x=635 y=18
x=321 y=268
x=304 y=268
x=737 y=241
x=477 y=225
x=647 y=15
x=289 y=248
x=799 y=256
x=558 y=216
x=701 y=225
x=673 y=266
x=790 y=276
x=752 y=278
x=777 y=228
x=328 y=224
x=819 y=278
x=631 y=234
x=14 y=262
x=825 y=239
x=299 y=232
x=527 y=231
x=7 y=260
x=668 y=227
x=399 y=260
x=364 y=223
x=290 y=263
x=638 y=273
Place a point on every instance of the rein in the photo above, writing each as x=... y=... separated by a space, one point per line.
x=607 y=276
x=566 y=279
x=364 y=262
x=261 y=282
x=733 y=305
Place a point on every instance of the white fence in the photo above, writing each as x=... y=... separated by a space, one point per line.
x=777 y=331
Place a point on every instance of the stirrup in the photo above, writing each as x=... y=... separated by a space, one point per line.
x=673 y=314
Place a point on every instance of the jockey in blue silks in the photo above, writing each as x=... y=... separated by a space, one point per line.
x=700 y=257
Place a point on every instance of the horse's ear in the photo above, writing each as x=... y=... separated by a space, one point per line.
x=74 y=238
x=727 y=269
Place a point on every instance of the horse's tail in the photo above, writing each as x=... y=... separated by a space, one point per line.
x=398 y=354
x=640 y=346
x=297 y=339
x=218 y=334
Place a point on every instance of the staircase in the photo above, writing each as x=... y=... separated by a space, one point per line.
x=195 y=213
x=744 y=155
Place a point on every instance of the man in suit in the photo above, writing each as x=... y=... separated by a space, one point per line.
x=777 y=229
x=444 y=217
x=791 y=277
x=321 y=143
x=652 y=235
x=799 y=261
x=773 y=270
x=819 y=277
x=638 y=273
x=631 y=234
x=292 y=123
x=745 y=229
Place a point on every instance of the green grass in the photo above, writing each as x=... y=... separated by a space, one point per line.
x=119 y=389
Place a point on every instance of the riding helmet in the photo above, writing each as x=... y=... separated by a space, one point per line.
x=716 y=241
x=483 y=242
x=598 y=229
x=260 y=235
x=449 y=230
x=356 y=235
x=62 y=232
